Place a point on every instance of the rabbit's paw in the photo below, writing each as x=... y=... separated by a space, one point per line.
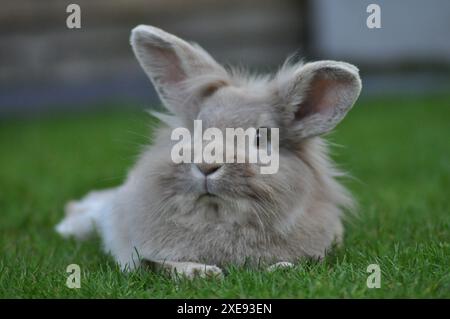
x=195 y=270
x=280 y=265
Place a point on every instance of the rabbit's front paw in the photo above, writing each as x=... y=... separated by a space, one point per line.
x=193 y=270
x=280 y=265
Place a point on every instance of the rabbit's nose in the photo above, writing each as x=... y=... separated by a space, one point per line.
x=208 y=169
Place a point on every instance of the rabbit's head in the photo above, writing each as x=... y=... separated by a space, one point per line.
x=302 y=100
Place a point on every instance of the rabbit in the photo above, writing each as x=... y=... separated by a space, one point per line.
x=160 y=215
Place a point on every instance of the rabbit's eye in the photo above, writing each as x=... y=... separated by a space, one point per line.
x=263 y=137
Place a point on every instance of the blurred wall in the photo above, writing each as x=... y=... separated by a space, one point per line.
x=412 y=31
x=409 y=54
x=45 y=64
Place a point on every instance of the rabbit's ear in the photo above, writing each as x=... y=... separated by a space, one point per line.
x=175 y=68
x=318 y=95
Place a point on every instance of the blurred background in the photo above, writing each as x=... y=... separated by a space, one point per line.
x=46 y=67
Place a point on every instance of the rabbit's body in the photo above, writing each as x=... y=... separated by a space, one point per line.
x=163 y=213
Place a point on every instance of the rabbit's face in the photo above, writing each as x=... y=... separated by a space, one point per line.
x=232 y=108
x=301 y=101
x=238 y=191
x=228 y=107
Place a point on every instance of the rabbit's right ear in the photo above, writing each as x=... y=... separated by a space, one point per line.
x=317 y=96
x=181 y=72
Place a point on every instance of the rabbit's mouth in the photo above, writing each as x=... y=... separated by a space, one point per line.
x=208 y=198
x=207 y=195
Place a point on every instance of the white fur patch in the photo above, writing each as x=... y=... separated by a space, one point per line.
x=280 y=265
x=193 y=270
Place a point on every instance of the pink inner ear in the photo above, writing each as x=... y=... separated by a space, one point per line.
x=321 y=97
x=169 y=65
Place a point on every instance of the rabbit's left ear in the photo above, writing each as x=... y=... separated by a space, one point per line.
x=170 y=63
x=317 y=96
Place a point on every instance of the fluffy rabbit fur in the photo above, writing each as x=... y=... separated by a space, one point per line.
x=159 y=214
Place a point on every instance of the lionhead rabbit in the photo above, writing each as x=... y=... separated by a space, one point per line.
x=194 y=218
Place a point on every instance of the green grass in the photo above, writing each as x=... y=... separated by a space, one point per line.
x=397 y=149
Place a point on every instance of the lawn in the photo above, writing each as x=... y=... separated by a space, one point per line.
x=396 y=148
